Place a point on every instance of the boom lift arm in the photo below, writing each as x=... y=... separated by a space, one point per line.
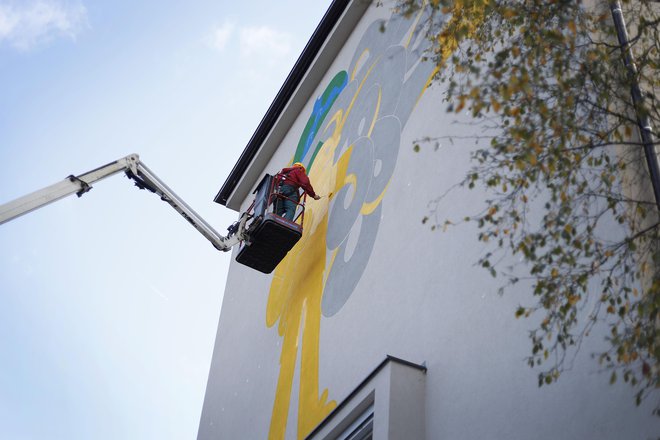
x=144 y=179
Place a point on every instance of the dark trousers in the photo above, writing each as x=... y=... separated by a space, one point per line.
x=287 y=207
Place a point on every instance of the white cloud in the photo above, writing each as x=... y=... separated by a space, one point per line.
x=27 y=24
x=258 y=48
x=219 y=37
x=264 y=41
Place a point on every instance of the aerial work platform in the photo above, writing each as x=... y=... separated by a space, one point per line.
x=270 y=241
x=263 y=236
x=270 y=236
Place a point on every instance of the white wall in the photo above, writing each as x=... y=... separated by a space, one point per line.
x=369 y=279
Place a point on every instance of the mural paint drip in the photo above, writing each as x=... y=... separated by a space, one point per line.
x=350 y=146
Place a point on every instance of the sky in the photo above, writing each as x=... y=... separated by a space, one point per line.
x=109 y=303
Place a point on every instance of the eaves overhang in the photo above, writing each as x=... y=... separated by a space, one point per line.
x=322 y=48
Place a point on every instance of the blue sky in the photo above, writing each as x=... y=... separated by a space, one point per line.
x=109 y=303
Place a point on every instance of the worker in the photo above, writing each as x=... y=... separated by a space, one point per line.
x=292 y=178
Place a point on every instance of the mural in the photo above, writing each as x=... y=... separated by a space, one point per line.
x=350 y=146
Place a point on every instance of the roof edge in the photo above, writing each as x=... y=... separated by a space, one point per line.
x=300 y=68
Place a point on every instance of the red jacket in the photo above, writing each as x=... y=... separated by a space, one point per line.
x=296 y=176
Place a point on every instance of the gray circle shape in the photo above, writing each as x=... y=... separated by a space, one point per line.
x=344 y=275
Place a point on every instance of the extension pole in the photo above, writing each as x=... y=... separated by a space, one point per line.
x=645 y=129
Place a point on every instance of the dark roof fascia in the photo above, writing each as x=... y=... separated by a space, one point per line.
x=285 y=93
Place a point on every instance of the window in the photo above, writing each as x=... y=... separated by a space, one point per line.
x=362 y=428
x=387 y=404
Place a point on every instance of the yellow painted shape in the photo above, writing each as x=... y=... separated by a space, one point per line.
x=297 y=287
x=369 y=207
x=364 y=53
x=412 y=28
x=295 y=298
x=376 y=113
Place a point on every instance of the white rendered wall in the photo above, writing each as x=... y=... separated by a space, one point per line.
x=368 y=279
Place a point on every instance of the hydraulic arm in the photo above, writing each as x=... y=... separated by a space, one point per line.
x=144 y=179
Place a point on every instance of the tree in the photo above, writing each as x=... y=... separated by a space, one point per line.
x=560 y=156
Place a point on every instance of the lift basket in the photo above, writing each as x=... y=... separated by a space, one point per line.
x=271 y=236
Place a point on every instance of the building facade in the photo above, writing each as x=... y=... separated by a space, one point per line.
x=375 y=326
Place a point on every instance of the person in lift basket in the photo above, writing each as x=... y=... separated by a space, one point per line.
x=293 y=178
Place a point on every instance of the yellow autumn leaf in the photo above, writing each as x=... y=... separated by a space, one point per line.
x=572 y=27
x=496 y=105
x=509 y=13
x=461 y=104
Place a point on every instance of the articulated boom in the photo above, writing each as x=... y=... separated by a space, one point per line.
x=144 y=179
